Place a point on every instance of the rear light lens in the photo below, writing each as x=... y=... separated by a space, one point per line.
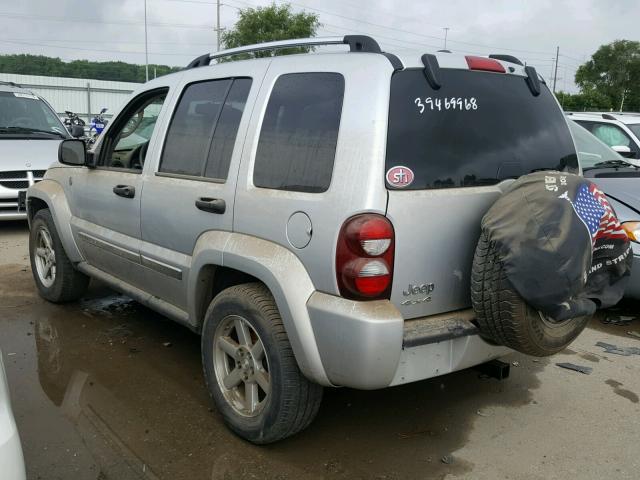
x=633 y=230
x=485 y=64
x=364 y=257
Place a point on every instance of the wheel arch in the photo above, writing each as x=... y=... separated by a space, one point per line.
x=246 y=259
x=50 y=194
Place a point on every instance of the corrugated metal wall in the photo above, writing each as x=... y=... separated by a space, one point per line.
x=83 y=96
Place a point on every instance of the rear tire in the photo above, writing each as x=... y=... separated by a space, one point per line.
x=56 y=278
x=505 y=318
x=246 y=355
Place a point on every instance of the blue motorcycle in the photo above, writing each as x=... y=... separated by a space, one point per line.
x=97 y=125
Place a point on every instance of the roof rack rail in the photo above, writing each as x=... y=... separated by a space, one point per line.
x=357 y=43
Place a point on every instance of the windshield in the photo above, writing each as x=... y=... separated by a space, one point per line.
x=592 y=151
x=24 y=115
x=477 y=129
x=635 y=128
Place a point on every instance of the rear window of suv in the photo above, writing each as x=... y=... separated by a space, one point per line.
x=479 y=128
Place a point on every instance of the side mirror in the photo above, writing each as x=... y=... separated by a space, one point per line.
x=623 y=150
x=77 y=131
x=72 y=152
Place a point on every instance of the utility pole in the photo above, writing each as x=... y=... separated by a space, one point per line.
x=555 y=73
x=146 y=45
x=218 y=23
x=446 y=30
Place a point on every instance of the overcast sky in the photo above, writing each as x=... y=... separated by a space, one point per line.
x=179 y=30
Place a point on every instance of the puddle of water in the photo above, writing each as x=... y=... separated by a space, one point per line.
x=111 y=393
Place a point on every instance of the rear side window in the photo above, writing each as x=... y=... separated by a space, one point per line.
x=224 y=136
x=203 y=129
x=297 y=145
x=479 y=128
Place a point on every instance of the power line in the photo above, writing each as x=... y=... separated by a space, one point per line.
x=95 y=49
x=49 y=18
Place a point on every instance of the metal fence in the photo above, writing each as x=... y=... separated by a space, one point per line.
x=83 y=96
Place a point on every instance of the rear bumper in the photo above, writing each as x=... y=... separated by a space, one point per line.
x=368 y=345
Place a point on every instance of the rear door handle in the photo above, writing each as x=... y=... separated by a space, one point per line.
x=211 y=205
x=126 y=191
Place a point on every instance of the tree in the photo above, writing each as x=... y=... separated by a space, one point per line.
x=584 y=101
x=267 y=24
x=614 y=71
x=55 y=67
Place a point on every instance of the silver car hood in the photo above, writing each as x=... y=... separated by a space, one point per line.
x=20 y=154
x=625 y=190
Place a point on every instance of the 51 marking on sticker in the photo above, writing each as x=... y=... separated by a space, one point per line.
x=400 y=176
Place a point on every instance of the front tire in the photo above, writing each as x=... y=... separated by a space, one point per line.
x=56 y=278
x=250 y=368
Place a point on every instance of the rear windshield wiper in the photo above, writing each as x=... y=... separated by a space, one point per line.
x=612 y=164
x=31 y=130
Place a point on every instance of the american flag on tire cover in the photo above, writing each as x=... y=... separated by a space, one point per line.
x=593 y=208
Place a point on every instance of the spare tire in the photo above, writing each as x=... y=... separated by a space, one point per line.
x=505 y=318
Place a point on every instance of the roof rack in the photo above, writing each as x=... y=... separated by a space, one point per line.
x=357 y=43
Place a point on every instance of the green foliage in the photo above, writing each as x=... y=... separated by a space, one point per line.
x=613 y=71
x=267 y=24
x=585 y=101
x=55 y=67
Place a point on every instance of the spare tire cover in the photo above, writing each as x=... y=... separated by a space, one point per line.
x=561 y=244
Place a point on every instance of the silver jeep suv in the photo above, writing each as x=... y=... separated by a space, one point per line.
x=312 y=216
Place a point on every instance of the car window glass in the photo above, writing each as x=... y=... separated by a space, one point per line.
x=299 y=133
x=635 y=128
x=591 y=151
x=224 y=137
x=477 y=129
x=126 y=144
x=192 y=126
x=611 y=135
x=26 y=110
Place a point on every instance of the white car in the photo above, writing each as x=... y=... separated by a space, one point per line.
x=620 y=131
x=11 y=459
x=30 y=133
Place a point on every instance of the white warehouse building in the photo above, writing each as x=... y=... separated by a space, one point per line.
x=80 y=95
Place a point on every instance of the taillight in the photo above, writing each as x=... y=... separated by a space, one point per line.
x=364 y=257
x=486 y=64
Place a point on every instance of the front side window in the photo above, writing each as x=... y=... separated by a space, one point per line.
x=125 y=145
x=297 y=145
x=203 y=129
x=24 y=115
x=611 y=135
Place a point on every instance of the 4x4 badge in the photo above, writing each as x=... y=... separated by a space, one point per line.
x=400 y=176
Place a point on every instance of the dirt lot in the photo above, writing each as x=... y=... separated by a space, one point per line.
x=107 y=389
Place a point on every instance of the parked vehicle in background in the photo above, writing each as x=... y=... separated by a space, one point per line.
x=11 y=459
x=314 y=232
x=620 y=131
x=619 y=179
x=30 y=133
x=72 y=119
